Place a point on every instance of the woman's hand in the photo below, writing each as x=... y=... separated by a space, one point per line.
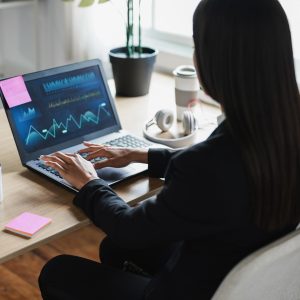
x=116 y=157
x=72 y=167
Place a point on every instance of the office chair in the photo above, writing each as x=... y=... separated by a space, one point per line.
x=270 y=273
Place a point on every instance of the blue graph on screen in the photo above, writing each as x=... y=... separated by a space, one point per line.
x=34 y=135
x=29 y=114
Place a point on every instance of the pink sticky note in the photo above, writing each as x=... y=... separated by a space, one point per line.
x=27 y=224
x=15 y=91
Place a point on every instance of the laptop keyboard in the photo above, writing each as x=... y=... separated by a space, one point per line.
x=126 y=141
x=41 y=165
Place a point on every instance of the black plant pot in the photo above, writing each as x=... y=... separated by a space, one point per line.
x=132 y=74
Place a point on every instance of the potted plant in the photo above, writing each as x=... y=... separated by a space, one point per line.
x=132 y=64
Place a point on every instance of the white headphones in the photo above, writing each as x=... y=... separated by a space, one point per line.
x=164 y=119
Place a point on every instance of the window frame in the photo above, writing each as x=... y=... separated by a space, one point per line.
x=174 y=49
x=162 y=35
x=177 y=49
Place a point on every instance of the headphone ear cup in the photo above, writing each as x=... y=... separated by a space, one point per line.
x=164 y=119
x=189 y=122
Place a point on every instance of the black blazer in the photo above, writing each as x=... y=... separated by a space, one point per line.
x=204 y=207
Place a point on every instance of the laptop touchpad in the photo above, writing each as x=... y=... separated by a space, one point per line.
x=112 y=175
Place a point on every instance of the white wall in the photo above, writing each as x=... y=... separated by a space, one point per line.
x=33 y=37
x=54 y=39
x=51 y=33
x=18 y=39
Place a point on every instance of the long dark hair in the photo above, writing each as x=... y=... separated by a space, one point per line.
x=244 y=55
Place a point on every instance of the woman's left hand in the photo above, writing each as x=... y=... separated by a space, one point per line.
x=72 y=167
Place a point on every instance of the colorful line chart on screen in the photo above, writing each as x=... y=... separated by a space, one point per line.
x=63 y=127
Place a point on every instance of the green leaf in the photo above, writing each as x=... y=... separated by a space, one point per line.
x=102 y=1
x=86 y=3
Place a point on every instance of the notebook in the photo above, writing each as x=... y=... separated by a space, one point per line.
x=27 y=224
x=58 y=109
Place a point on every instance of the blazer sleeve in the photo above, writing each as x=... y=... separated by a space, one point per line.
x=175 y=214
x=158 y=160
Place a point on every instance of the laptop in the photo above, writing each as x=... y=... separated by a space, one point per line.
x=69 y=105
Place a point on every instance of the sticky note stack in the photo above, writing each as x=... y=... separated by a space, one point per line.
x=27 y=224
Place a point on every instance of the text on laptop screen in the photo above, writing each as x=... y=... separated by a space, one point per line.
x=64 y=106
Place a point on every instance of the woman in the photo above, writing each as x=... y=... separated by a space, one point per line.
x=223 y=198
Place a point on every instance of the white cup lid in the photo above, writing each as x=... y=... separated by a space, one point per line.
x=185 y=71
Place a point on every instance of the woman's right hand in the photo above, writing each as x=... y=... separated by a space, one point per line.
x=116 y=157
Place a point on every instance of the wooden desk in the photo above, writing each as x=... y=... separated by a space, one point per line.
x=27 y=191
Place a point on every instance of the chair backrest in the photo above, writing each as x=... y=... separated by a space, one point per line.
x=271 y=273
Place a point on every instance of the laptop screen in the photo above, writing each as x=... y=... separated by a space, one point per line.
x=68 y=105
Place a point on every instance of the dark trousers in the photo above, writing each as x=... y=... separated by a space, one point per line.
x=67 y=277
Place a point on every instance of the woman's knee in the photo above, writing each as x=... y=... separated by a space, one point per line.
x=51 y=270
x=105 y=249
x=111 y=254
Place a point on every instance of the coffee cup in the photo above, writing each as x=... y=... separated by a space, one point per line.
x=186 y=89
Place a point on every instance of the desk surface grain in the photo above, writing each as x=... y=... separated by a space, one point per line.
x=25 y=190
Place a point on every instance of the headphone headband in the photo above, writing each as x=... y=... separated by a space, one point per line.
x=164 y=119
